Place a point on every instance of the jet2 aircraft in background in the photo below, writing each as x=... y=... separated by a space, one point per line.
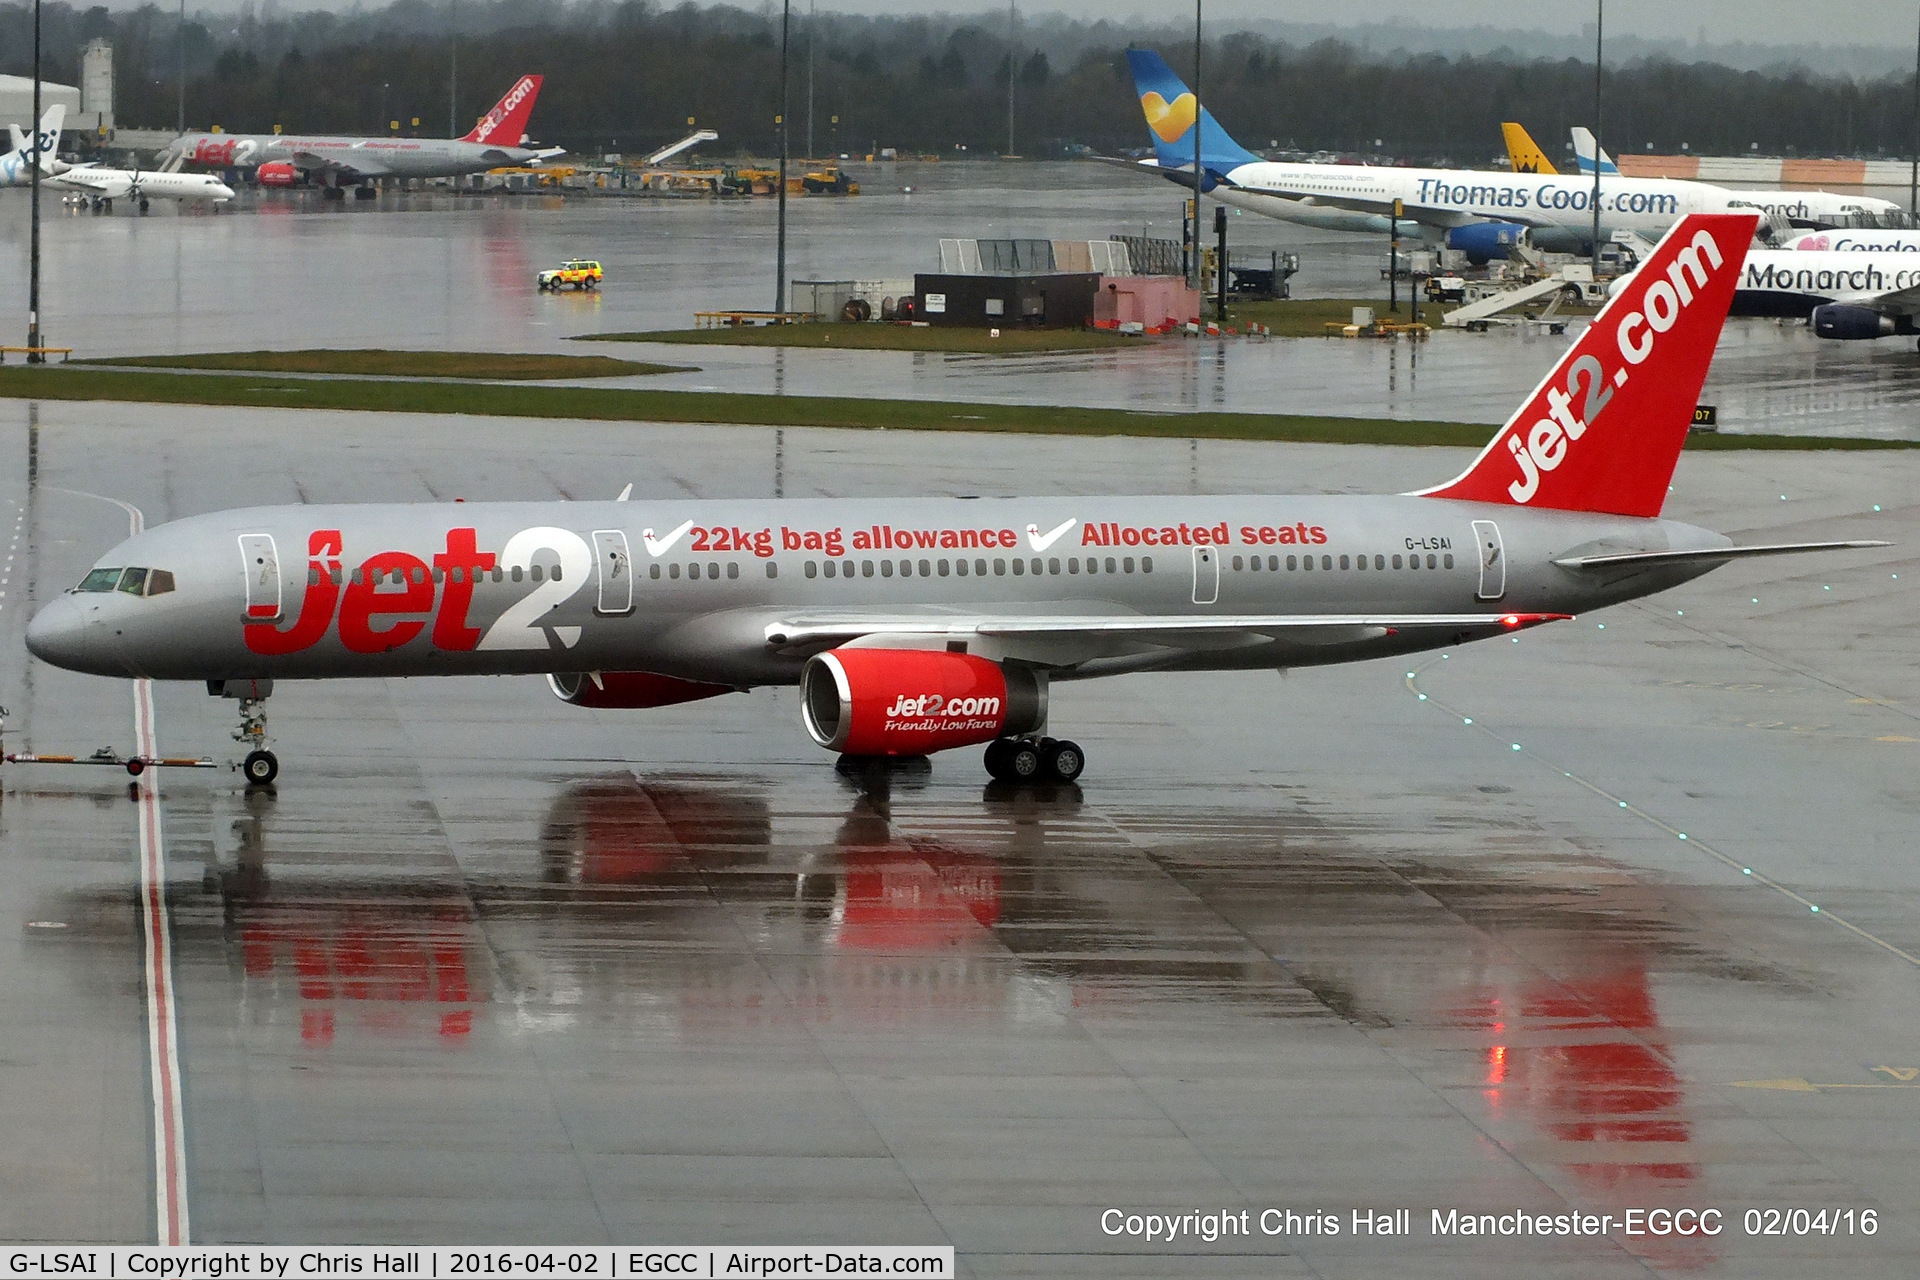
x=338 y=161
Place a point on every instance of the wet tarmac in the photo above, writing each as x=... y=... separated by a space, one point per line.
x=282 y=269
x=488 y=968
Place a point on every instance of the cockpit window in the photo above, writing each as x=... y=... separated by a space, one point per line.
x=100 y=580
x=133 y=581
x=159 y=582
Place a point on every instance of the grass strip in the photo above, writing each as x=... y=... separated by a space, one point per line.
x=596 y=404
x=831 y=336
x=404 y=364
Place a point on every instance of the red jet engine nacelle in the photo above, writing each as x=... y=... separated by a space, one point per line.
x=276 y=173
x=908 y=702
x=630 y=690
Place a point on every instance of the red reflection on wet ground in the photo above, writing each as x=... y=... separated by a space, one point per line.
x=916 y=899
x=379 y=965
x=1586 y=1063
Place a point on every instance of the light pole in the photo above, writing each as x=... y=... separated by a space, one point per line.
x=453 y=75
x=183 y=66
x=1913 y=179
x=813 y=16
x=780 y=251
x=1599 y=32
x=34 y=354
x=1196 y=145
x=1013 y=29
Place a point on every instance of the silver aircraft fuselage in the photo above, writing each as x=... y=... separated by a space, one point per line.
x=740 y=593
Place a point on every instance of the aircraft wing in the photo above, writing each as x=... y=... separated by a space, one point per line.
x=1178 y=631
x=1894 y=302
x=365 y=166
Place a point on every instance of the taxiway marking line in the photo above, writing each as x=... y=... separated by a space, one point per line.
x=1412 y=683
x=163 y=1023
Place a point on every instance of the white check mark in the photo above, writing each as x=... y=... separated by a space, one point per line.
x=1040 y=542
x=660 y=546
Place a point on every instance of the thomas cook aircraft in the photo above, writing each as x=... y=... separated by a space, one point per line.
x=914 y=625
x=1480 y=213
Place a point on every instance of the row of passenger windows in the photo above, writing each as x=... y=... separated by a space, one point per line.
x=1305 y=563
x=978 y=567
x=110 y=579
x=419 y=573
x=135 y=582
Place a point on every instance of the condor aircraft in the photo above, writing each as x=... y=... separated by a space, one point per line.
x=498 y=139
x=917 y=625
x=1481 y=213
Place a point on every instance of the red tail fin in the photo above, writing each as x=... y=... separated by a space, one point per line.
x=506 y=124
x=1604 y=430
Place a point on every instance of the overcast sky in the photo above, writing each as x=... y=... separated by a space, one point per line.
x=1774 y=22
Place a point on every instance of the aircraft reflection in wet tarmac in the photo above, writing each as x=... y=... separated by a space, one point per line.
x=723 y=904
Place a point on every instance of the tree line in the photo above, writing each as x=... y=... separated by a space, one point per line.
x=627 y=75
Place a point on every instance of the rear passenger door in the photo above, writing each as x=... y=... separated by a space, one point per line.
x=1493 y=560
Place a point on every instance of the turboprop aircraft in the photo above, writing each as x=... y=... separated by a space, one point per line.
x=338 y=161
x=103 y=186
x=16 y=167
x=1480 y=213
x=915 y=625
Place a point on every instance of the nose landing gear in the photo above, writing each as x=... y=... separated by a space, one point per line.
x=261 y=766
x=1035 y=760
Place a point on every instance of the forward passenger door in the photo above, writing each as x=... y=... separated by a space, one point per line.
x=260 y=562
x=614 y=568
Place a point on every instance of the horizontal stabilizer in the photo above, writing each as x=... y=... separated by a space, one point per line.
x=1712 y=555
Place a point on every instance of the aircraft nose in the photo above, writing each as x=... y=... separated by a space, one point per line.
x=58 y=634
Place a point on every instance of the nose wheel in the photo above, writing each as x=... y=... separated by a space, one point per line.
x=1035 y=760
x=260 y=768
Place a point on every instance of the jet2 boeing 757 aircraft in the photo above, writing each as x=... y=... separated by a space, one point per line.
x=915 y=625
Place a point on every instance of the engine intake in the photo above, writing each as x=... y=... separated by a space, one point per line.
x=629 y=689
x=908 y=702
x=1846 y=323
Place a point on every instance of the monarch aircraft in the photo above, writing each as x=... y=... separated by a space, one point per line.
x=1481 y=213
x=914 y=625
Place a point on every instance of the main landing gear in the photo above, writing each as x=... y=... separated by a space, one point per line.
x=1035 y=760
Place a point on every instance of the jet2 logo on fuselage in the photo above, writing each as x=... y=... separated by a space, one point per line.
x=391 y=598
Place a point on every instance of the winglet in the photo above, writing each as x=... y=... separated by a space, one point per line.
x=1604 y=430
